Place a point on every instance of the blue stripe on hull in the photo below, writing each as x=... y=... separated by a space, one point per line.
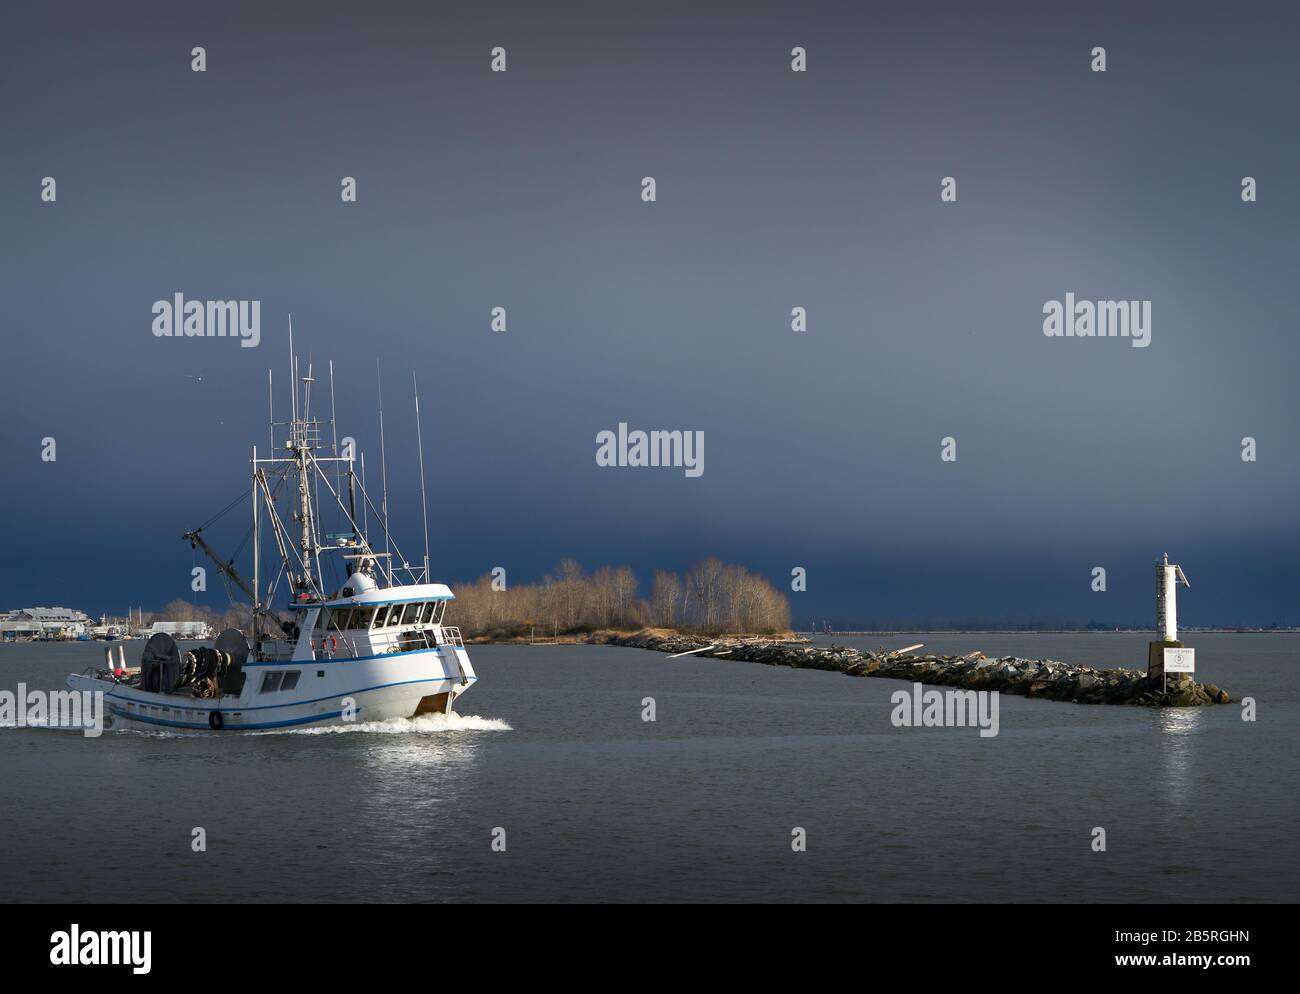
x=310 y=719
x=288 y=704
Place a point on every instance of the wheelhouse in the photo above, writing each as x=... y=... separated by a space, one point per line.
x=372 y=625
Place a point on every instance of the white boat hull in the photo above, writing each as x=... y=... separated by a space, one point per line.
x=328 y=691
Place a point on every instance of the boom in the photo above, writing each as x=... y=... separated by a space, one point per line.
x=195 y=539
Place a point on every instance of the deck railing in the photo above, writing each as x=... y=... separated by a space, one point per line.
x=407 y=641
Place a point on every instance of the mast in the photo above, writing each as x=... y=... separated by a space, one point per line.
x=257 y=583
x=302 y=557
x=383 y=465
x=334 y=431
x=302 y=455
x=293 y=374
x=424 y=507
x=352 y=495
x=306 y=415
x=365 y=514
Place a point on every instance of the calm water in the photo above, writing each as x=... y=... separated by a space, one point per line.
x=599 y=805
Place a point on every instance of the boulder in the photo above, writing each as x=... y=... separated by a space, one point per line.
x=1215 y=694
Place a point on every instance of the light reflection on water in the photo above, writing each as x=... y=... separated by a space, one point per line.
x=1179 y=734
x=402 y=762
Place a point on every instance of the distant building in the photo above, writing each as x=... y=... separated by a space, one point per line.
x=44 y=623
x=182 y=629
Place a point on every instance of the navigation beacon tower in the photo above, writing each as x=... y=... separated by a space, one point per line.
x=1168 y=576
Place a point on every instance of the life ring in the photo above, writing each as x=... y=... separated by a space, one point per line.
x=334 y=643
x=215 y=721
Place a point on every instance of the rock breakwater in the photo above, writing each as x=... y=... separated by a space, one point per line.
x=1044 y=678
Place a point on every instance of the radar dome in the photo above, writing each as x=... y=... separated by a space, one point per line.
x=357 y=583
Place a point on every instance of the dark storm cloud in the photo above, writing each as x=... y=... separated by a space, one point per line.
x=775 y=190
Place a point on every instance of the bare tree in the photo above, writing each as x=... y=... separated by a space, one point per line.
x=704 y=580
x=715 y=597
x=665 y=598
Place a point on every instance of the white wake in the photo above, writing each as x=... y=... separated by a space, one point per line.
x=425 y=724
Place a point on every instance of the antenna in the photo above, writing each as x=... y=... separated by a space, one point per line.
x=365 y=514
x=424 y=507
x=270 y=410
x=293 y=372
x=334 y=430
x=257 y=541
x=383 y=465
x=307 y=381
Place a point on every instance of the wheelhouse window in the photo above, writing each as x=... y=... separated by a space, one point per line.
x=276 y=680
x=393 y=615
x=432 y=614
x=357 y=617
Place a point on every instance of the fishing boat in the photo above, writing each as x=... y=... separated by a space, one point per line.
x=372 y=648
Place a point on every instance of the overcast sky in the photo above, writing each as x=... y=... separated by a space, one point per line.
x=775 y=189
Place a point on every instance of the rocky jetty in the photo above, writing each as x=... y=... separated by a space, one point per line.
x=1045 y=678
